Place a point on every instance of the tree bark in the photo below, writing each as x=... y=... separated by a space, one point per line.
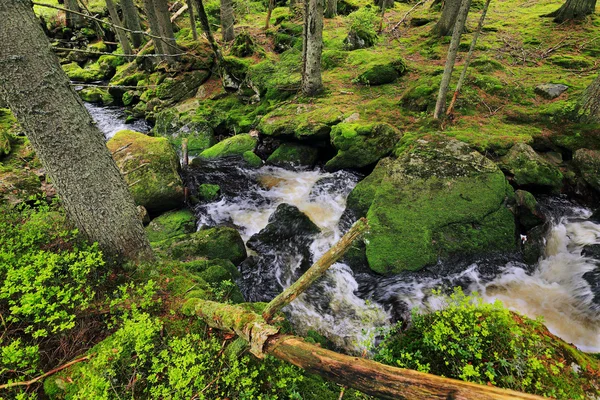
x=154 y=27
x=73 y=20
x=227 y=20
x=330 y=8
x=131 y=19
x=452 y=51
x=269 y=12
x=312 y=46
x=590 y=106
x=450 y=11
x=192 y=20
x=163 y=17
x=70 y=146
x=121 y=34
x=208 y=32
x=573 y=10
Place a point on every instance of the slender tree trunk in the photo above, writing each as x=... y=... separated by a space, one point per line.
x=121 y=34
x=227 y=20
x=383 y=7
x=590 y=105
x=312 y=46
x=269 y=12
x=292 y=6
x=64 y=136
x=573 y=10
x=192 y=20
x=330 y=8
x=208 y=32
x=452 y=51
x=445 y=26
x=463 y=74
x=166 y=28
x=154 y=27
x=131 y=19
x=73 y=20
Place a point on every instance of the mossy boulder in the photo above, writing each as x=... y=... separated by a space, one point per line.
x=438 y=199
x=571 y=62
x=529 y=169
x=380 y=74
x=359 y=39
x=151 y=168
x=527 y=210
x=95 y=95
x=588 y=163
x=174 y=90
x=275 y=81
x=91 y=73
x=234 y=146
x=171 y=224
x=292 y=155
x=310 y=122
x=359 y=145
x=176 y=127
x=208 y=191
x=243 y=45
x=216 y=271
x=213 y=243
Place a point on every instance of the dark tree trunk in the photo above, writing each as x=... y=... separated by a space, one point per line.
x=312 y=46
x=154 y=27
x=590 y=105
x=131 y=19
x=445 y=25
x=227 y=20
x=573 y=10
x=64 y=136
x=166 y=28
x=203 y=17
x=330 y=8
x=192 y=20
x=73 y=20
x=121 y=34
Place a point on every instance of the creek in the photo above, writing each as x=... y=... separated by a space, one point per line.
x=352 y=308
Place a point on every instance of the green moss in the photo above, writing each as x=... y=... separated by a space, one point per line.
x=252 y=159
x=151 y=167
x=171 y=224
x=529 y=168
x=90 y=73
x=571 y=62
x=331 y=59
x=243 y=45
x=234 y=146
x=208 y=192
x=486 y=64
x=291 y=155
x=95 y=95
x=302 y=121
x=363 y=194
x=8 y=126
x=588 y=163
x=381 y=74
x=100 y=47
x=359 y=145
x=276 y=80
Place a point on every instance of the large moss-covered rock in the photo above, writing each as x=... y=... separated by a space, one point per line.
x=171 y=224
x=181 y=87
x=438 y=199
x=588 y=163
x=311 y=122
x=234 y=146
x=291 y=155
x=95 y=95
x=380 y=74
x=92 y=72
x=214 y=243
x=359 y=145
x=527 y=210
x=528 y=168
x=151 y=169
x=172 y=125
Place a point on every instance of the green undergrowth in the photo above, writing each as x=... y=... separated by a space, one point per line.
x=488 y=344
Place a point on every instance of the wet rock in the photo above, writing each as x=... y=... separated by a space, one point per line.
x=151 y=169
x=438 y=199
x=588 y=163
x=534 y=244
x=90 y=73
x=212 y=243
x=593 y=279
x=208 y=192
x=529 y=169
x=591 y=251
x=291 y=156
x=234 y=146
x=527 y=210
x=550 y=90
x=171 y=224
x=95 y=95
x=360 y=145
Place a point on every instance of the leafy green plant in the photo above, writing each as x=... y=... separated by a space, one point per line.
x=363 y=22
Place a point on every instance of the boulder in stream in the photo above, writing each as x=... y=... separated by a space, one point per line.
x=151 y=169
x=529 y=169
x=291 y=155
x=438 y=199
x=171 y=224
x=588 y=163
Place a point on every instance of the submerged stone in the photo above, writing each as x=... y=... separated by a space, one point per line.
x=438 y=199
x=151 y=169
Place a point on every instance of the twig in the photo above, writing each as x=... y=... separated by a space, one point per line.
x=47 y=374
x=342 y=393
x=135 y=169
x=406 y=15
x=121 y=148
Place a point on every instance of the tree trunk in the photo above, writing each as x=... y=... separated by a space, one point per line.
x=269 y=12
x=192 y=20
x=69 y=144
x=163 y=17
x=590 y=106
x=312 y=46
x=73 y=20
x=121 y=34
x=131 y=19
x=445 y=26
x=208 y=32
x=227 y=20
x=573 y=10
x=154 y=27
x=452 y=51
x=330 y=8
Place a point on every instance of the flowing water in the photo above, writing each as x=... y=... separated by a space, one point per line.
x=110 y=120
x=349 y=306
